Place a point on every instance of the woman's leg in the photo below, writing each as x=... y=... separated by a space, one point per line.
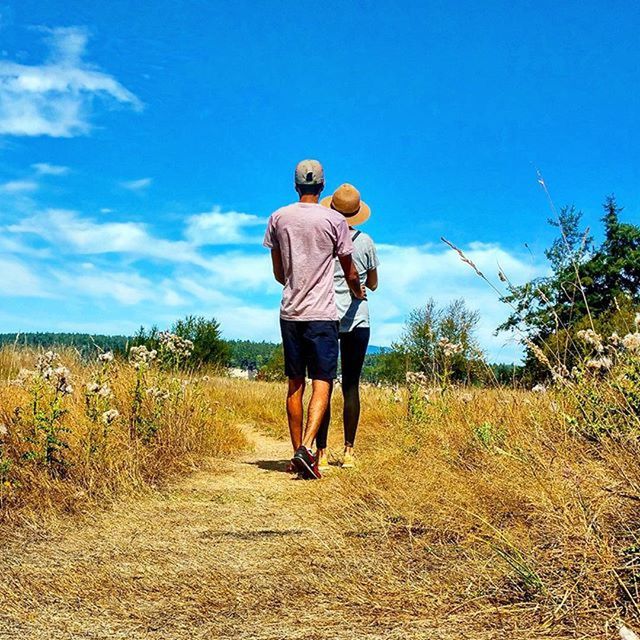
x=323 y=431
x=353 y=348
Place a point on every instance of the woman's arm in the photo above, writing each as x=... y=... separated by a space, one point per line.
x=372 y=279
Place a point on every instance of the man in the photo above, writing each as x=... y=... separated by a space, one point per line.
x=304 y=239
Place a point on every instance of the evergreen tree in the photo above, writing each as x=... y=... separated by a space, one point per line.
x=589 y=287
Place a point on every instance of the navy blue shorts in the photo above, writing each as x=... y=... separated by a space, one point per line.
x=310 y=348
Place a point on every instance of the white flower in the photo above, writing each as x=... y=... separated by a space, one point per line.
x=158 y=394
x=3 y=430
x=109 y=416
x=107 y=356
x=141 y=355
x=47 y=361
x=178 y=347
x=637 y=320
x=600 y=364
x=93 y=387
x=615 y=340
x=105 y=391
x=450 y=348
x=590 y=337
x=631 y=342
x=416 y=377
x=539 y=388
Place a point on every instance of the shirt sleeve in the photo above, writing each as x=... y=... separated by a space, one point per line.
x=270 y=237
x=344 y=244
x=372 y=256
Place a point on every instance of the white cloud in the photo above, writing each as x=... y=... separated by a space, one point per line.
x=19 y=186
x=70 y=232
x=243 y=271
x=55 y=98
x=248 y=321
x=46 y=169
x=410 y=275
x=203 y=291
x=127 y=288
x=19 y=280
x=137 y=185
x=216 y=227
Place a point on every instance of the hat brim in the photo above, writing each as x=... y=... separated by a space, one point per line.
x=364 y=213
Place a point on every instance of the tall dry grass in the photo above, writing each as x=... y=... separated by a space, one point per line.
x=74 y=433
x=497 y=508
x=493 y=506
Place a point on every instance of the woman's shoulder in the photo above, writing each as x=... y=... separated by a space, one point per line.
x=364 y=240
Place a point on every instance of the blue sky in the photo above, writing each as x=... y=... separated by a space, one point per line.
x=142 y=149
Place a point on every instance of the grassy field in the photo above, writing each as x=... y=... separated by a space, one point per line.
x=491 y=513
x=487 y=503
x=73 y=433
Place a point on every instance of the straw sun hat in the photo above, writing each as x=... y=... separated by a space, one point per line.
x=346 y=200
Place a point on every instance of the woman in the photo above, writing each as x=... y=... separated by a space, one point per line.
x=354 y=321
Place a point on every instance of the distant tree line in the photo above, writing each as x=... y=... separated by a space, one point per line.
x=84 y=343
x=209 y=347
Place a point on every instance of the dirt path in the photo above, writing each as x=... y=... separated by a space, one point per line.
x=223 y=554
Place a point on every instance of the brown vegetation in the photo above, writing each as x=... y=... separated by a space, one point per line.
x=473 y=513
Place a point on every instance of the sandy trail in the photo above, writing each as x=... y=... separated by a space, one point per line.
x=225 y=553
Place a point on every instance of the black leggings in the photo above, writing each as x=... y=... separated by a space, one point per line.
x=353 y=348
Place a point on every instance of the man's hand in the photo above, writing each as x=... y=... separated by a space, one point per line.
x=353 y=279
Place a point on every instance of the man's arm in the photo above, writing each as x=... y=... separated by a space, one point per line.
x=351 y=274
x=278 y=268
x=372 y=279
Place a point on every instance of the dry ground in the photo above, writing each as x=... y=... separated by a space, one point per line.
x=215 y=556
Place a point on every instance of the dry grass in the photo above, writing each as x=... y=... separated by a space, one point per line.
x=487 y=505
x=474 y=513
x=59 y=455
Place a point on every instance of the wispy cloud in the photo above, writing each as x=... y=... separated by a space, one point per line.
x=19 y=186
x=19 y=280
x=46 y=169
x=126 y=287
x=217 y=227
x=137 y=185
x=72 y=233
x=410 y=275
x=55 y=98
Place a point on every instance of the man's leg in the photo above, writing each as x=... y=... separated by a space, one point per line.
x=320 y=397
x=323 y=431
x=321 y=339
x=295 y=411
x=294 y=369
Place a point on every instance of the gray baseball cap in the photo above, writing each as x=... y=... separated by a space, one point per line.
x=309 y=172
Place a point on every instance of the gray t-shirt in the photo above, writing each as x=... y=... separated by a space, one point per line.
x=353 y=312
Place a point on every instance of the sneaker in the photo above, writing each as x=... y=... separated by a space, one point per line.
x=323 y=463
x=305 y=463
x=348 y=462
